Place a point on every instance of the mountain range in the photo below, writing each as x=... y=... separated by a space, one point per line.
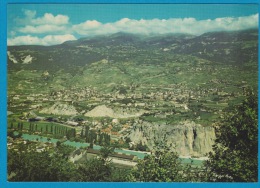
x=235 y=47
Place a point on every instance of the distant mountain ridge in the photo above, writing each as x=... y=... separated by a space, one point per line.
x=222 y=47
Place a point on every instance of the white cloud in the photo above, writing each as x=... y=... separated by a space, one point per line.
x=23 y=40
x=42 y=29
x=48 y=23
x=59 y=24
x=50 y=19
x=28 y=16
x=58 y=39
x=173 y=25
x=47 y=40
x=30 y=13
x=90 y=26
x=47 y=19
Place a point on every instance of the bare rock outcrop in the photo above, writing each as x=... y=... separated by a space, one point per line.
x=187 y=138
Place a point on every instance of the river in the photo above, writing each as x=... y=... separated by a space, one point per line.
x=139 y=154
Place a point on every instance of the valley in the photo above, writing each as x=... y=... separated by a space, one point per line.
x=139 y=92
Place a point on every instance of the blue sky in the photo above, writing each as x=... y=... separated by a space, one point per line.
x=53 y=24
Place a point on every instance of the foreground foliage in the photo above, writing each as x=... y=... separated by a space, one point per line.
x=38 y=166
x=25 y=163
x=165 y=166
x=235 y=156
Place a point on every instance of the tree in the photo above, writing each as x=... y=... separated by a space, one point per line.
x=58 y=143
x=82 y=133
x=141 y=147
x=74 y=133
x=105 y=151
x=70 y=134
x=106 y=139
x=12 y=125
x=101 y=169
x=34 y=166
x=94 y=170
x=234 y=156
x=163 y=166
x=21 y=126
x=119 y=174
x=86 y=133
x=12 y=134
x=92 y=138
x=100 y=139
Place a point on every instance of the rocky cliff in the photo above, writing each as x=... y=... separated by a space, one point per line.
x=187 y=138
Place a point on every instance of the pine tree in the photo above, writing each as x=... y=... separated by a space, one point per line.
x=21 y=127
x=82 y=133
x=86 y=133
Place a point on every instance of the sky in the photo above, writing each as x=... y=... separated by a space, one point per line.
x=50 y=24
